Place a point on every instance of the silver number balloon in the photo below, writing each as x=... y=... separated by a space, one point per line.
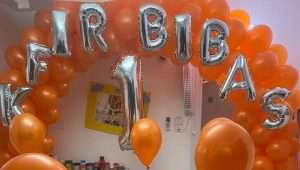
x=128 y=72
x=240 y=64
x=219 y=42
x=10 y=102
x=60 y=37
x=280 y=111
x=155 y=27
x=33 y=64
x=183 y=39
x=89 y=29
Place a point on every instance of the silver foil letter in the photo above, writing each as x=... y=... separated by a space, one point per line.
x=92 y=29
x=240 y=64
x=152 y=31
x=33 y=64
x=280 y=111
x=183 y=37
x=218 y=41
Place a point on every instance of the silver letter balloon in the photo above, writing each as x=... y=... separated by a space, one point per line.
x=128 y=72
x=183 y=37
x=60 y=37
x=156 y=27
x=94 y=30
x=280 y=111
x=240 y=64
x=33 y=63
x=10 y=102
x=219 y=42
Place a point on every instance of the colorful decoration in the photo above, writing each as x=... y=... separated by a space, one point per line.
x=70 y=36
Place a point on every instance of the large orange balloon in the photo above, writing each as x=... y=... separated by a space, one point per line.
x=27 y=133
x=224 y=145
x=33 y=161
x=146 y=140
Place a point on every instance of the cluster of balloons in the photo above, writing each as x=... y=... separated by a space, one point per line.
x=274 y=149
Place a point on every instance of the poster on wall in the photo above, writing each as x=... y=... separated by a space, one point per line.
x=104 y=108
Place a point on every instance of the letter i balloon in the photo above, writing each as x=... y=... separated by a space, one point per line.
x=69 y=36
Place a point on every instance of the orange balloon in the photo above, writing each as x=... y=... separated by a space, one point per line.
x=295 y=143
x=44 y=96
x=224 y=145
x=27 y=133
x=62 y=89
x=258 y=39
x=294 y=99
x=49 y=116
x=290 y=164
x=48 y=144
x=218 y=9
x=278 y=149
x=43 y=20
x=28 y=107
x=291 y=130
x=242 y=16
x=4 y=157
x=11 y=149
x=61 y=70
x=263 y=163
x=263 y=65
x=33 y=161
x=32 y=34
x=281 y=53
x=15 y=58
x=15 y=77
x=260 y=135
x=246 y=119
x=146 y=140
x=237 y=33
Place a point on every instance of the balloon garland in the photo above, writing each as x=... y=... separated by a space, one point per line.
x=70 y=36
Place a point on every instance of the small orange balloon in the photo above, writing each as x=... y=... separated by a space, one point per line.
x=62 y=89
x=27 y=133
x=33 y=161
x=49 y=116
x=291 y=130
x=242 y=16
x=246 y=119
x=258 y=39
x=278 y=149
x=43 y=20
x=15 y=77
x=28 y=107
x=44 y=96
x=61 y=70
x=281 y=53
x=263 y=163
x=261 y=136
x=218 y=9
x=146 y=140
x=295 y=143
x=14 y=57
x=224 y=145
x=290 y=164
x=237 y=33
x=34 y=35
x=48 y=144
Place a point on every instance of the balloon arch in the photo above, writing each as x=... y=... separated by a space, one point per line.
x=69 y=36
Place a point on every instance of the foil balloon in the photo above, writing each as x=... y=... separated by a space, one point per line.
x=10 y=102
x=280 y=111
x=209 y=42
x=183 y=38
x=33 y=161
x=60 y=40
x=240 y=64
x=128 y=72
x=148 y=27
x=88 y=29
x=34 y=65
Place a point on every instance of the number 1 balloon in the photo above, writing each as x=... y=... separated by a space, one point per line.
x=129 y=73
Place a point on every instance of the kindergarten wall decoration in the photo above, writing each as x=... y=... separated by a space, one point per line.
x=68 y=37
